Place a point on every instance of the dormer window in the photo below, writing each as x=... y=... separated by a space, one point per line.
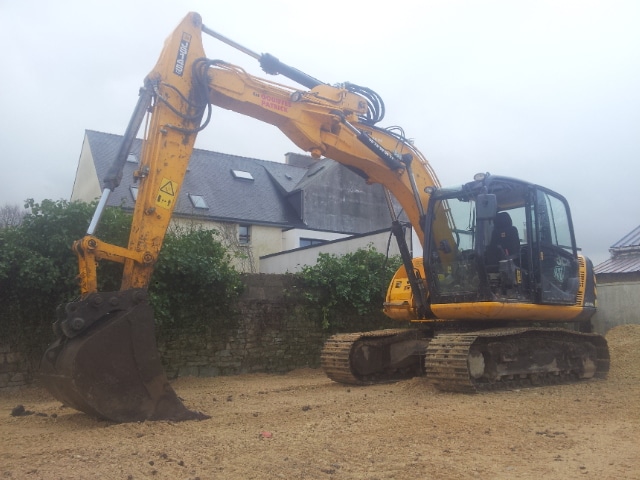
x=198 y=201
x=242 y=175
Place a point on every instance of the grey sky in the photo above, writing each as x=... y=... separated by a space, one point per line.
x=547 y=91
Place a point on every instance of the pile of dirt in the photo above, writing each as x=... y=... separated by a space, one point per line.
x=624 y=348
x=303 y=426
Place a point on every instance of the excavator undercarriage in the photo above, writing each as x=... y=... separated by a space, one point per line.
x=467 y=362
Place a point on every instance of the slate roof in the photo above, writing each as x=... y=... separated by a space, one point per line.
x=625 y=255
x=261 y=201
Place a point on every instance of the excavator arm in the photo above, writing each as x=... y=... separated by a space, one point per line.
x=104 y=361
x=174 y=112
x=336 y=122
x=326 y=121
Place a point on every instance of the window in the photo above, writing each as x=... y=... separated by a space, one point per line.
x=134 y=192
x=241 y=174
x=132 y=158
x=307 y=242
x=198 y=201
x=557 y=257
x=244 y=234
x=555 y=225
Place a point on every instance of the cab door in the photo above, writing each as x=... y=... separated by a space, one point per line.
x=555 y=252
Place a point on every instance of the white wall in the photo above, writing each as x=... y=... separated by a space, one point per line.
x=264 y=241
x=617 y=305
x=292 y=261
x=291 y=238
x=86 y=186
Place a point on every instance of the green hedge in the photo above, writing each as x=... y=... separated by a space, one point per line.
x=194 y=282
x=351 y=284
x=38 y=270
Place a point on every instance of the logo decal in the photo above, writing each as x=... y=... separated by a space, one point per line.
x=275 y=103
x=181 y=58
x=561 y=269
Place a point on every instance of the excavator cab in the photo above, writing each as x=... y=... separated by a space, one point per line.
x=500 y=274
x=513 y=242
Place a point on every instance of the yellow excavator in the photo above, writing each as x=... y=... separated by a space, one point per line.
x=501 y=296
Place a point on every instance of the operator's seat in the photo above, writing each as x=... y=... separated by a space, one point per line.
x=505 y=240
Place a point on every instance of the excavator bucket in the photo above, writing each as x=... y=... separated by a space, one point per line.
x=105 y=361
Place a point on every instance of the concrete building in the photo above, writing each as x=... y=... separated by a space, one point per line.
x=260 y=207
x=618 y=282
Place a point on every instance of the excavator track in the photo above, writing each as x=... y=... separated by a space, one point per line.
x=379 y=356
x=503 y=359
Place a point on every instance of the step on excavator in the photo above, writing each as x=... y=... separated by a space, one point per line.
x=501 y=297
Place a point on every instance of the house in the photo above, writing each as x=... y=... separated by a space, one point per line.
x=260 y=207
x=618 y=280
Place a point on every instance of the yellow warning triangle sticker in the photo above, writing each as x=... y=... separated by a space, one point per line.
x=166 y=194
x=168 y=188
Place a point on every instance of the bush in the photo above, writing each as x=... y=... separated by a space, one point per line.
x=354 y=283
x=194 y=281
x=38 y=269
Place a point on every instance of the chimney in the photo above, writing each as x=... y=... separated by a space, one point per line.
x=298 y=160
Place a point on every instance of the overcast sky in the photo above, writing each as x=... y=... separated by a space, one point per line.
x=547 y=91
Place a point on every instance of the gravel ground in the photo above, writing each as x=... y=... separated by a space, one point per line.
x=303 y=426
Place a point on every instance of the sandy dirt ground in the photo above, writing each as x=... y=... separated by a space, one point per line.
x=303 y=426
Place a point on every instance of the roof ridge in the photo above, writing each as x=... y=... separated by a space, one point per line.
x=203 y=150
x=631 y=239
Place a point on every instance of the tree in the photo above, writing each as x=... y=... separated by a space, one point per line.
x=11 y=215
x=193 y=281
x=242 y=254
x=38 y=269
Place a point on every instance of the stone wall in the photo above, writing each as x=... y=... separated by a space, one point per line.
x=14 y=371
x=272 y=330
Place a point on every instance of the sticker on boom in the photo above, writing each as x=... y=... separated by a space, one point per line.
x=181 y=59
x=166 y=194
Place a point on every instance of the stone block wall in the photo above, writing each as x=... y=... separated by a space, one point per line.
x=267 y=338
x=272 y=330
x=14 y=371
